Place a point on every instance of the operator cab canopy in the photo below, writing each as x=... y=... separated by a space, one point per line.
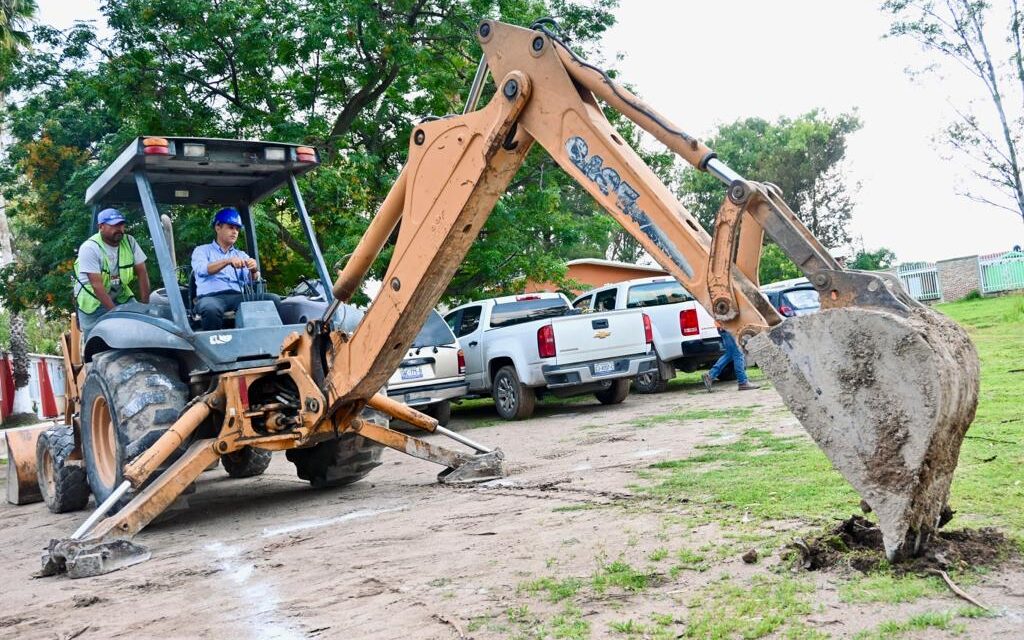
x=200 y=171
x=153 y=173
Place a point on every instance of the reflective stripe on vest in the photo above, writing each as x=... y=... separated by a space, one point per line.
x=86 y=297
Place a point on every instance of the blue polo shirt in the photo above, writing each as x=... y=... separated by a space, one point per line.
x=227 y=279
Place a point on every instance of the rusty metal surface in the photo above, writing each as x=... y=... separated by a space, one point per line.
x=402 y=412
x=158 y=495
x=22 y=483
x=139 y=470
x=407 y=444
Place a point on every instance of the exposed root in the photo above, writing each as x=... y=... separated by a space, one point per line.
x=857 y=543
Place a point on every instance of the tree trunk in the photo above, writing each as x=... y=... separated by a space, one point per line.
x=20 y=364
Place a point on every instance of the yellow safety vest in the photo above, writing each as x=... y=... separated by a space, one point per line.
x=86 y=298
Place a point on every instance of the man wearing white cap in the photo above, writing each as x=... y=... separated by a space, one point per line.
x=108 y=264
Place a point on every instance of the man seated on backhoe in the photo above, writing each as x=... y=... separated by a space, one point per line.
x=108 y=264
x=222 y=270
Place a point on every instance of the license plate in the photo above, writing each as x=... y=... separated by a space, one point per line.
x=411 y=373
x=604 y=367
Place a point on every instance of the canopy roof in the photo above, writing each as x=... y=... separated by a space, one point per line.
x=205 y=171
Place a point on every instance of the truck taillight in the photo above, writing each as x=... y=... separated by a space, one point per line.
x=462 y=362
x=546 y=341
x=648 y=330
x=688 y=322
x=787 y=311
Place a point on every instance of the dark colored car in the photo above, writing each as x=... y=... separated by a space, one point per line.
x=791 y=298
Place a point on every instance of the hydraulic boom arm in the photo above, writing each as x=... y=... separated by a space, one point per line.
x=843 y=372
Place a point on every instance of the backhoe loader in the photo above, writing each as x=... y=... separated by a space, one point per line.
x=885 y=386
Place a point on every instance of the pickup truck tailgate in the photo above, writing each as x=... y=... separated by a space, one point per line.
x=594 y=336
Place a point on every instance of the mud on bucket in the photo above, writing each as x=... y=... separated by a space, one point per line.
x=888 y=398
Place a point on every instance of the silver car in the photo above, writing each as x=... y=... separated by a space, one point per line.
x=433 y=372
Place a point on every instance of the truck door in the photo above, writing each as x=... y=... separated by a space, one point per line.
x=466 y=325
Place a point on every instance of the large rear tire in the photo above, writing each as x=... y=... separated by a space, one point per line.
x=512 y=399
x=63 y=485
x=129 y=399
x=344 y=460
x=246 y=462
x=616 y=393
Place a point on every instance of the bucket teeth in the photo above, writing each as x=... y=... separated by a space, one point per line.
x=85 y=558
x=480 y=468
x=887 y=398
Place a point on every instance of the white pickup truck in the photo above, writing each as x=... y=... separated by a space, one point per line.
x=519 y=347
x=684 y=332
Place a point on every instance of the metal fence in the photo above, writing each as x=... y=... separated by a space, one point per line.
x=920 y=279
x=1001 y=271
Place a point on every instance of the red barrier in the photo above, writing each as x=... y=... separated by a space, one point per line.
x=6 y=387
x=49 y=403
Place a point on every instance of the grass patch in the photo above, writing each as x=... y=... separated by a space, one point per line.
x=658 y=555
x=622 y=575
x=890 y=589
x=733 y=415
x=928 y=620
x=661 y=627
x=687 y=560
x=556 y=590
x=986 y=491
x=766 y=605
x=568 y=624
x=801 y=482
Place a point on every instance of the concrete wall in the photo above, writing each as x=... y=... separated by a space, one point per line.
x=958 y=277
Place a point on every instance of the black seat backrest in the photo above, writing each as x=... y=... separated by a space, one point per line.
x=190 y=301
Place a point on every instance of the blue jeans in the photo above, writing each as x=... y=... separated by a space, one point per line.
x=732 y=354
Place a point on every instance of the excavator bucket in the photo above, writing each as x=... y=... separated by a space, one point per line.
x=888 y=399
x=22 y=483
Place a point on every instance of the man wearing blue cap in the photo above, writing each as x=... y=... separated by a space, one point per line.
x=221 y=270
x=108 y=265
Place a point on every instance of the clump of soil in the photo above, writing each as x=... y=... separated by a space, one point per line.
x=857 y=543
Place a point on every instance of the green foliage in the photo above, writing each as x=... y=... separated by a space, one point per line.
x=43 y=334
x=347 y=76
x=776 y=266
x=865 y=260
x=801 y=155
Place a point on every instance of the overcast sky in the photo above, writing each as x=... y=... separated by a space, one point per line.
x=708 y=63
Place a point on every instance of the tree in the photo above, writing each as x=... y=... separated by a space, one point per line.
x=876 y=260
x=349 y=76
x=802 y=156
x=959 y=31
x=14 y=17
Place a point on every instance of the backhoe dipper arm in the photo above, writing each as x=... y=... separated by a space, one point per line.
x=842 y=372
x=459 y=166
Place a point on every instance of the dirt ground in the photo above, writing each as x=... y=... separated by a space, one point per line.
x=399 y=556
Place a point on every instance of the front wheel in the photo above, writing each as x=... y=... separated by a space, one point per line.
x=512 y=399
x=246 y=462
x=616 y=393
x=63 y=485
x=129 y=399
